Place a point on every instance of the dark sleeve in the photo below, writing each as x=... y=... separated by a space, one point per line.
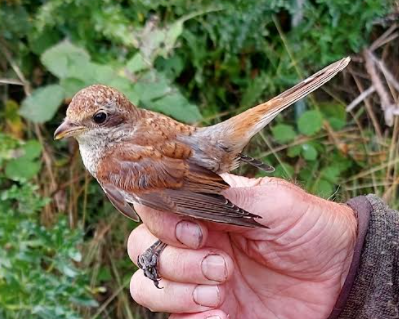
x=371 y=290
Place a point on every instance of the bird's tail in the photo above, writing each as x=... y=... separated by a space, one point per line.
x=242 y=127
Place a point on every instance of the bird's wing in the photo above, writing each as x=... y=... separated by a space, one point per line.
x=117 y=199
x=172 y=185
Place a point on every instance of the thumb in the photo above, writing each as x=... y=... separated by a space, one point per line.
x=275 y=200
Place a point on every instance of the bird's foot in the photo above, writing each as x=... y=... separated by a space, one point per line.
x=148 y=262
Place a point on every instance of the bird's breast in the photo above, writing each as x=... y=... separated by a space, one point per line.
x=91 y=156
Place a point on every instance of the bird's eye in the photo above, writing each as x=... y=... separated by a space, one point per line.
x=100 y=117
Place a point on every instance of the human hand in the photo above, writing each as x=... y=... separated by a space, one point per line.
x=294 y=269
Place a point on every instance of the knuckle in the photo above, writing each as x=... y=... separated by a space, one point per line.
x=140 y=292
x=136 y=291
x=134 y=240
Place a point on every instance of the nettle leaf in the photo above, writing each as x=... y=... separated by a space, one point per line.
x=157 y=41
x=154 y=91
x=32 y=149
x=151 y=43
x=170 y=67
x=85 y=71
x=22 y=168
x=60 y=58
x=283 y=133
x=160 y=42
x=152 y=86
x=178 y=107
x=104 y=73
x=309 y=152
x=42 y=105
x=331 y=173
x=310 y=122
x=71 y=86
x=137 y=63
x=324 y=188
x=121 y=84
x=172 y=34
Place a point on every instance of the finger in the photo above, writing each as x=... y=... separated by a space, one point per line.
x=173 y=229
x=211 y=314
x=203 y=266
x=175 y=297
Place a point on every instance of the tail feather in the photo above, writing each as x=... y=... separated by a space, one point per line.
x=250 y=122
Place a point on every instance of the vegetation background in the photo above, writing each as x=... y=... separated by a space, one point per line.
x=62 y=245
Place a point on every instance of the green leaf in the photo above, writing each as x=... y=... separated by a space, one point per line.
x=309 y=152
x=177 y=106
x=324 y=188
x=71 y=86
x=152 y=86
x=104 y=274
x=67 y=270
x=294 y=151
x=137 y=63
x=335 y=114
x=172 y=34
x=41 y=106
x=22 y=168
x=336 y=124
x=284 y=170
x=40 y=41
x=85 y=301
x=331 y=173
x=151 y=44
x=102 y=74
x=310 y=122
x=32 y=149
x=75 y=255
x=283 y=133
x=60 y=58
x=122 y=84
x=170 y=67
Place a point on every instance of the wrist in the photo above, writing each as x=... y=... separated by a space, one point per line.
x=352 y=223
x=361 y=209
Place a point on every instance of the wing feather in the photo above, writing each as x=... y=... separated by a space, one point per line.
x=116 y=198
x=171 y=184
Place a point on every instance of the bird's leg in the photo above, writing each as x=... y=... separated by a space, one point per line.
x=148 y=262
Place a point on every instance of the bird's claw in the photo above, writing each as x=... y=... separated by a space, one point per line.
x=148 y=262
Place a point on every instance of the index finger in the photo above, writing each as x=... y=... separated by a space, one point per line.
x=173 y=229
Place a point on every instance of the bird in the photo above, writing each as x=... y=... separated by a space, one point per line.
x=140 y=156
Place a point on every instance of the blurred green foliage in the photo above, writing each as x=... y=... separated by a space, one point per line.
x=198 y=61
x=38 y=275
x=234 y=49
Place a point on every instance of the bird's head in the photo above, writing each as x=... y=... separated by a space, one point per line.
x=94 y=113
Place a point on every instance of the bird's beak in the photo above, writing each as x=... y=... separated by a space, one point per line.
x=66 y=129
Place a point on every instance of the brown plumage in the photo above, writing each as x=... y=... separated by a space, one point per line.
x=145 y=157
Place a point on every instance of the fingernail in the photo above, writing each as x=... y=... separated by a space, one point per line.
x=214 y=268
x=189 y=234
x=207 y=296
